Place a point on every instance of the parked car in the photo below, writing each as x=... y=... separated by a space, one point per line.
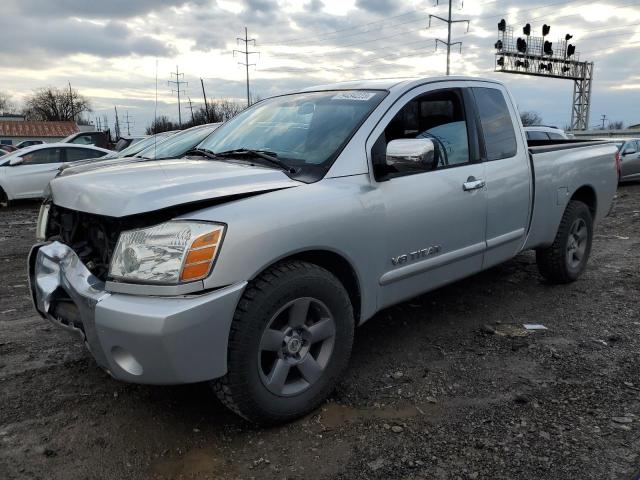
x=541 y=132
x=4 y=149
x=28 y=143
x=174 y=146
x=308 y=213
x=180 y=143
x=629 y=157
x=125 y=142
x=25 y=173
x=98 y=139
x=130 y=151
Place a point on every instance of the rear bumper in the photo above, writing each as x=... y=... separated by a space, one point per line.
x=141 y=339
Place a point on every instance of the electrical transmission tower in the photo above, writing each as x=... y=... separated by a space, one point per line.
x=246 y=40
x=177 y=82
x=448 y=43
x=191 y=108
x=128 y=122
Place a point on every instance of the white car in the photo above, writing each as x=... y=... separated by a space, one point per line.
x=541 y=132
x=26 y=172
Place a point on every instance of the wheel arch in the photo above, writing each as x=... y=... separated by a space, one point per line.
x=587 y=195
x=335 y=263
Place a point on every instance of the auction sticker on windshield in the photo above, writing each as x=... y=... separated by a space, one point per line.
x=354 y=95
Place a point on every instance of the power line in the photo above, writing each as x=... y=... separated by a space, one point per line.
x=448 y=43
x=177 y=82
x=246 y=40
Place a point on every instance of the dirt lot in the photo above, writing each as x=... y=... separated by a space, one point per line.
x=446 y=386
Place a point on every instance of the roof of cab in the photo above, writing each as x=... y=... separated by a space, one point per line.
x=391 y=83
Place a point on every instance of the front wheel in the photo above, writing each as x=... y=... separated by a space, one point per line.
x=4 y=199
x=289 y=343
x=565 y=260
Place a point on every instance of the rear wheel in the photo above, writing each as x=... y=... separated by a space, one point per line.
x=289 y=343
x=565 y=260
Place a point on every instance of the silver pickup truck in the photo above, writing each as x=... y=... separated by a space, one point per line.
x=249 y=263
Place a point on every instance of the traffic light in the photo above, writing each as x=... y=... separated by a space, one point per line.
x=548 y=48
x=527 y=29
x=568 y=37
x=499 y=45
x=571 y=50
x=545 y=30
x=546 y=66
x=502 y=25
x=565 y=69
x=521 y=45
x=524 y=64
x=500 y=61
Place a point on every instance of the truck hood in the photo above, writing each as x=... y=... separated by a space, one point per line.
x=123 y=189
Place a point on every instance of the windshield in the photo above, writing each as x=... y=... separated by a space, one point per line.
x=303 y=129
x=179 y=144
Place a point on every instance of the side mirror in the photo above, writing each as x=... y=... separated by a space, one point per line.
x=411 y=154
x=16 y=161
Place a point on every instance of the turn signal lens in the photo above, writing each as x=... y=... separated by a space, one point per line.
x=200 y=257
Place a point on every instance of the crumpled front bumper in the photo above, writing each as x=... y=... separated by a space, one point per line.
x=141 y=339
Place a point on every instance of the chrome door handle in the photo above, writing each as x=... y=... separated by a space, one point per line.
x=473 y=183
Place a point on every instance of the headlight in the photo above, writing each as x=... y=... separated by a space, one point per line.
x=170 y=253
x=41 y=226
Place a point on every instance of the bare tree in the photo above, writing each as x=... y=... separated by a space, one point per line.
x=55 y=104
x=161 y=124
x=6 y=104
x=530 y=118
x=618 y=125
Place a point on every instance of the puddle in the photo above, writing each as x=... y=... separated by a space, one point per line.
x=333 y=415
x=196 y=464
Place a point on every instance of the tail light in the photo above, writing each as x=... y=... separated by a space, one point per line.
x=618 y=164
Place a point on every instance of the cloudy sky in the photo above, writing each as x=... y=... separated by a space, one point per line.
x=110 y=50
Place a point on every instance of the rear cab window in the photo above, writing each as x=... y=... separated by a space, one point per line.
x=496 y=123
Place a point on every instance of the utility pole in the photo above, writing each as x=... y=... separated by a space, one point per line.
x=117 y=124
x=246 y=40
x=604 y=119
x=191 y=108
x=206 y=105
x=128 y=122
x=448 y=43
x=177 y=82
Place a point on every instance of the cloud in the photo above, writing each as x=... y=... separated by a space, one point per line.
x=378 y=6
x=91 y=9
x=31 y=37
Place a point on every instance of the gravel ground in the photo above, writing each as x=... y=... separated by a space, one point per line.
x=446 y=386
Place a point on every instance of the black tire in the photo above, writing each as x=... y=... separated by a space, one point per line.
x=267 y=303
x=4 y=199
x=560 y=262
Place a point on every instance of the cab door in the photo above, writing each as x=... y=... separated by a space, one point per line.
x=507 y=173
x=434 y=218
x=38 y=167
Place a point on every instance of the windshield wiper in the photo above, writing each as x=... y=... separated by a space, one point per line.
x=270 y=157
x=204 y=152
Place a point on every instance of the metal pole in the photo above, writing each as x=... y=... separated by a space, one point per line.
x=449 y=41
x=206 y=106
x=179 y=113
x=246 y=59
